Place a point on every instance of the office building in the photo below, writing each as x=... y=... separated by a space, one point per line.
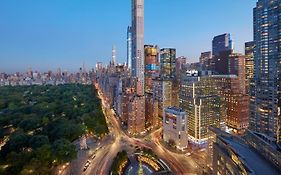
x=265 y=92
x=206 y=60
x=249 y=63
x=166 y=87
x=236 y=102
x=229 y=63
x=168 y=63
x=175 y=127
x=200 y=98
x=221 y=43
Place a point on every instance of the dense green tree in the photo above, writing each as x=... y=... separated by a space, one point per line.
x=64 y=150
x=30 y=124
x=38 y=141
x=42 y=121
x=18 y=142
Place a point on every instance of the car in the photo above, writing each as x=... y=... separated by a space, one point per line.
x=188 y=154
x=85 y=168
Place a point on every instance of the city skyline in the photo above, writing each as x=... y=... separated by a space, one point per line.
x=162 y=112
x=66 y=35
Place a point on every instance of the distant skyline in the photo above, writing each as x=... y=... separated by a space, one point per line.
x=50 y=34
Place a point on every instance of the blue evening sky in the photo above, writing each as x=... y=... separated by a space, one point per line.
x=47 y=34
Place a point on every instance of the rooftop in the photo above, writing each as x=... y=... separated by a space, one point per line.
x=253 y=160
x=176 y=109
x=250 y=158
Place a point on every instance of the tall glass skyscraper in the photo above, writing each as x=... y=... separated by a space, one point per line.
x=129 y=46
x=137 y=42
x=265 y=92
x=249 y=63
x=168 y=63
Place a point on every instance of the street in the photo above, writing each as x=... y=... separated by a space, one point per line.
x=118 y=140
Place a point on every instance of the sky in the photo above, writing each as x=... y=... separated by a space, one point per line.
x=49 y=34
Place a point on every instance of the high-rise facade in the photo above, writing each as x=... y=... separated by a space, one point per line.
x=200 y=98
x=168 y=63
x=138 y=43
x=180 y=66
x=136 y=117
x=129 y=46
x=222 y=43
x=236 y=102
x=229 y=63
x=249 y=63
x=265 y=92
x=136 y=106
x=151 y=63
x=206 y=60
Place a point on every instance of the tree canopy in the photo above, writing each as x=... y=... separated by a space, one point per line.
x=39 y=123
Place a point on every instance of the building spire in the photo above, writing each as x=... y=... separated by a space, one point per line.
x=113 y=55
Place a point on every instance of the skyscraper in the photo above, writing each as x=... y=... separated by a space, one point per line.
x=205 y=60
x=265 y=92
x=168 y=63
x=136 y=106
x=129 y=46
x=138 y=43
x=249 y=63
x=222 y=43
x=200 y=98
x=151 y=66
x=229 y=63
x=151 y=71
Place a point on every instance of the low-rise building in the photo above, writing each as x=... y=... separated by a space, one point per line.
x=174 y=127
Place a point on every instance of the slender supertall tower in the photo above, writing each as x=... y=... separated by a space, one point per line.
x=136 y=105
x=138 y=43
x=129 y=47
x=113 y=55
